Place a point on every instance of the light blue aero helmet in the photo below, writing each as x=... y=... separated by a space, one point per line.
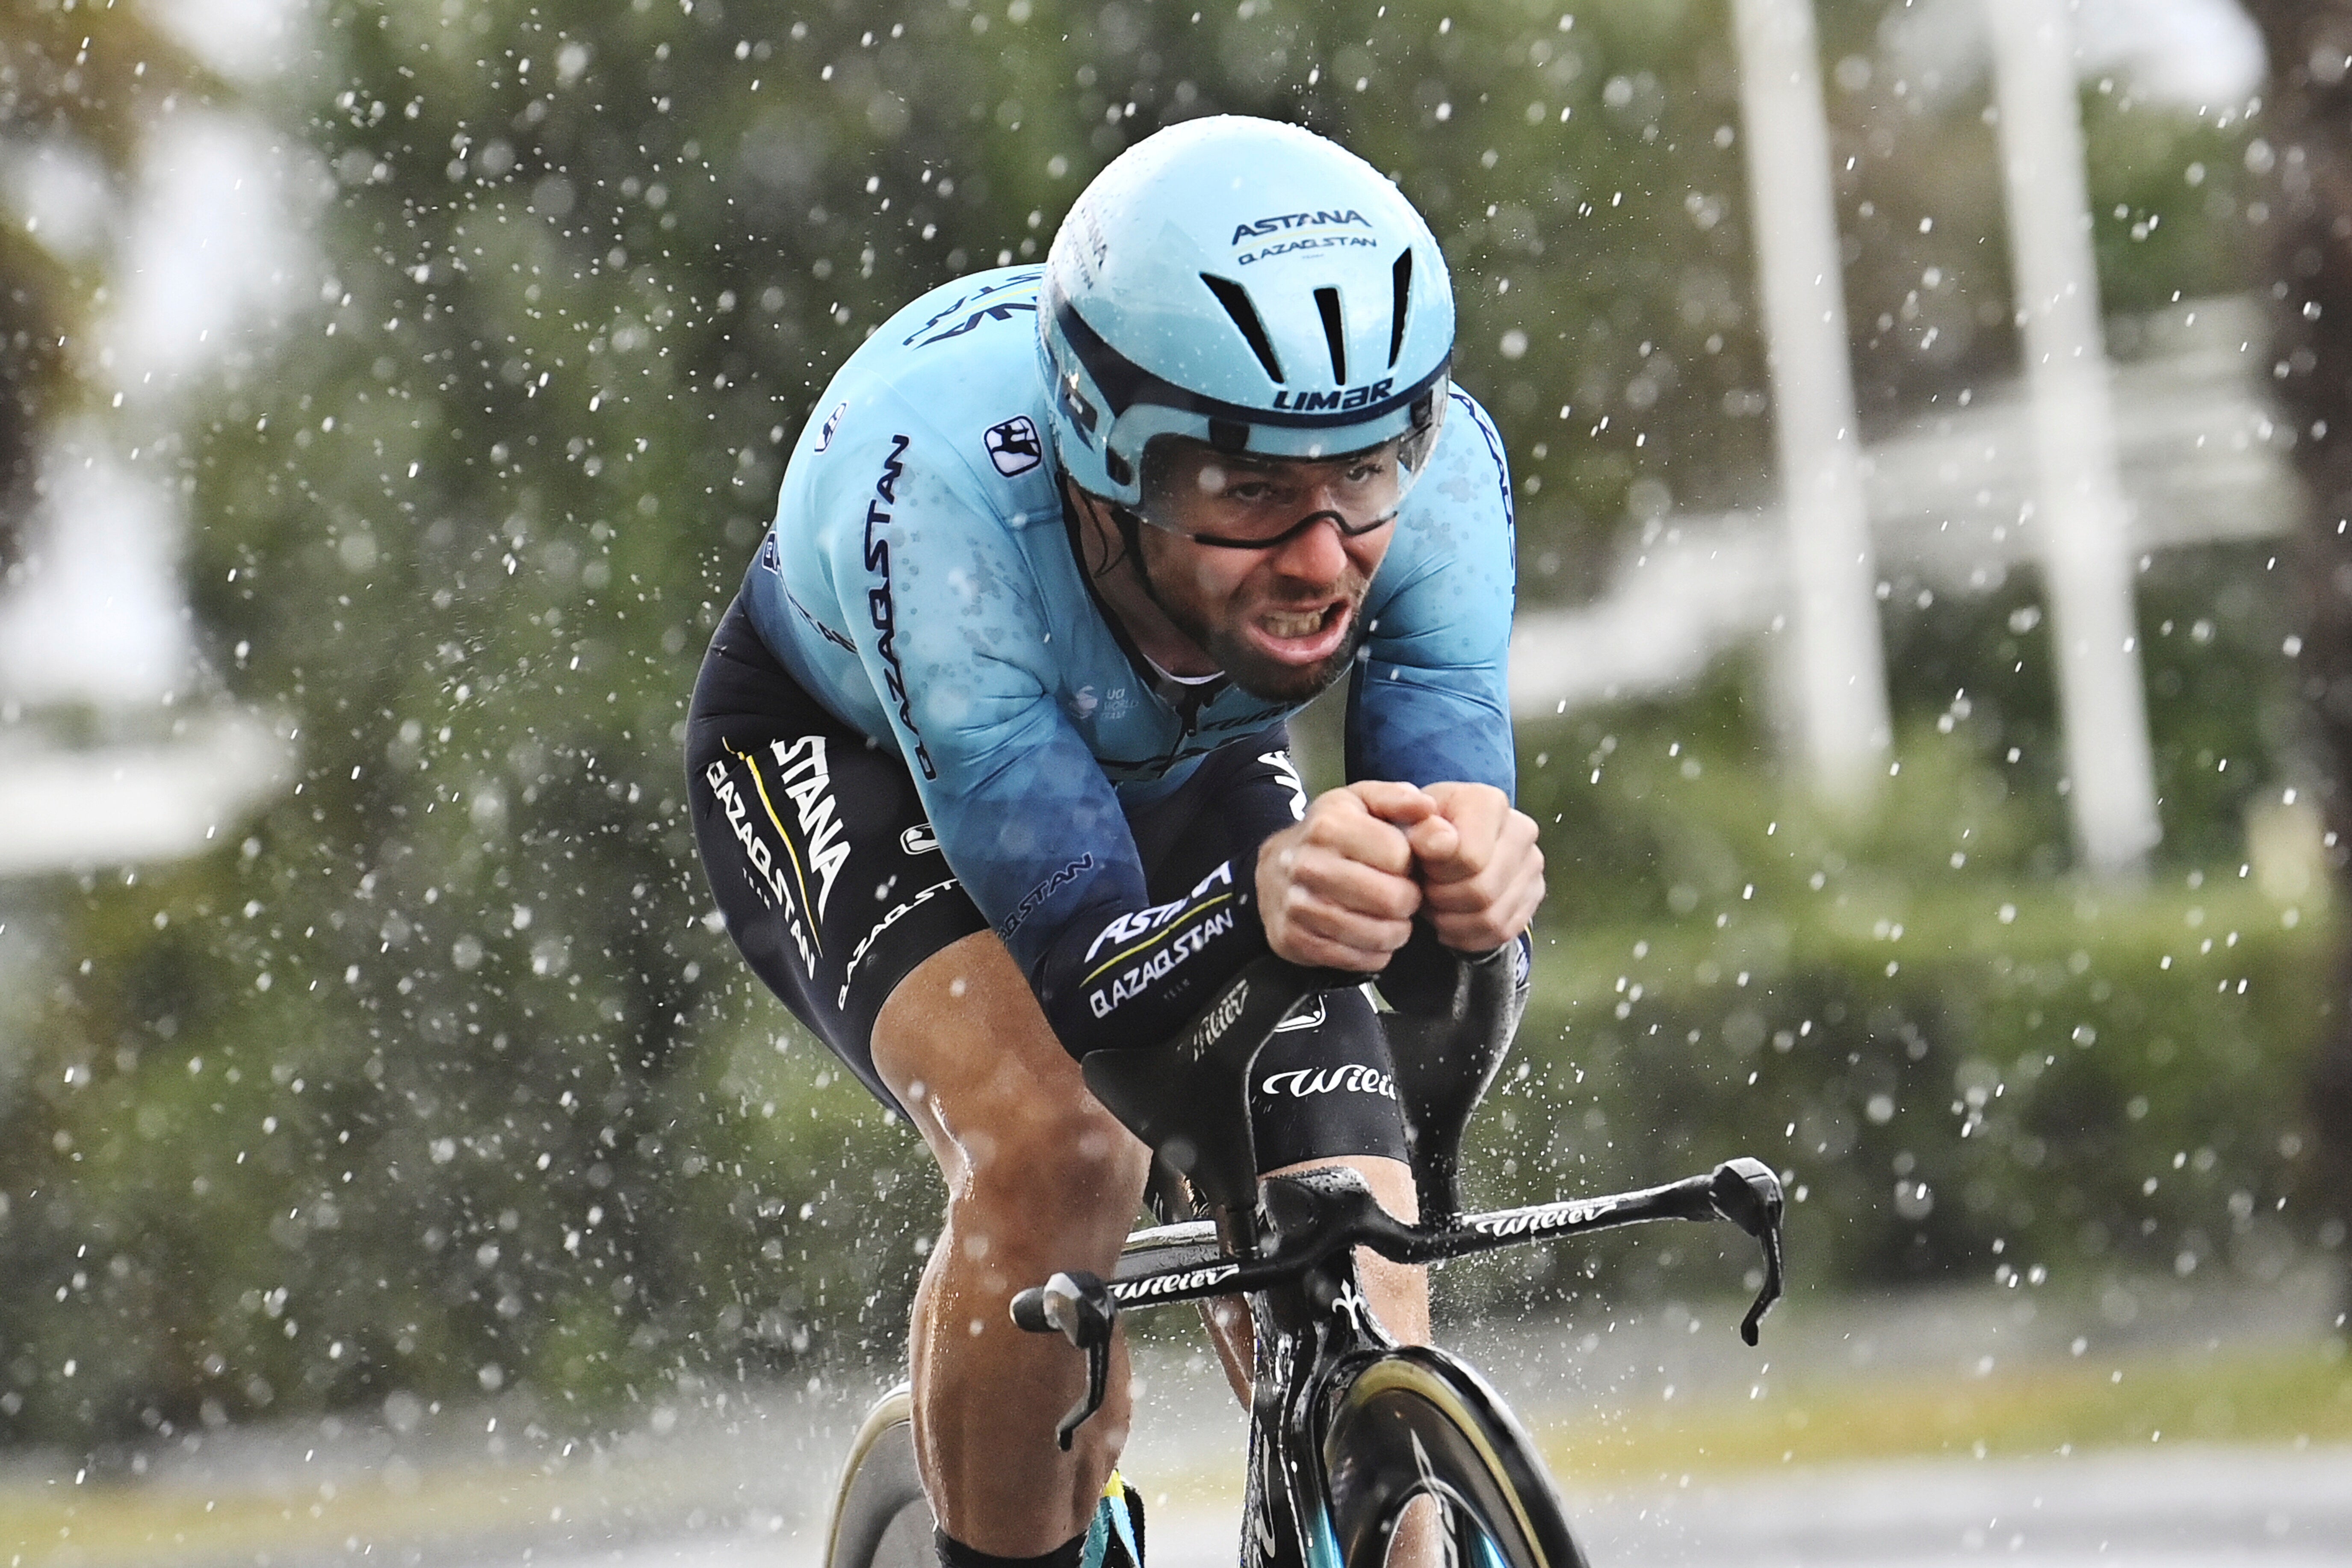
x=1248 y=284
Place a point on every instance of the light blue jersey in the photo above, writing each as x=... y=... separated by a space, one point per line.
x=921 y=582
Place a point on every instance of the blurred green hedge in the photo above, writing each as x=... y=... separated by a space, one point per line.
x=1950 y=1093
x=1971 y=1059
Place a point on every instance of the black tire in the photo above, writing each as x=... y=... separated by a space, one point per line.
x=880 y=1517
x=1416 y=1423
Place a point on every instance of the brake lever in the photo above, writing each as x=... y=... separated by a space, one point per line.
x=1771 y=1291
x=1080 y=1306
x=1747 y=1193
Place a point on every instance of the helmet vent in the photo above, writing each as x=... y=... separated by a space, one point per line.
x=1237 y=301
x=1327 y=301
x=1403 y=274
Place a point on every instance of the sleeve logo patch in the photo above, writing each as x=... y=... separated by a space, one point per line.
x=832 y=424
x=1014 y=445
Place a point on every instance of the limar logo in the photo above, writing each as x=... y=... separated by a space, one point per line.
x=1352 y=397
x=1014 y=445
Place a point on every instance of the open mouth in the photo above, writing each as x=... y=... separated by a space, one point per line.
x=1301 y=636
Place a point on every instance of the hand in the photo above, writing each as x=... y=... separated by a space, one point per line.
x=1337 y=892
x=1480 y=872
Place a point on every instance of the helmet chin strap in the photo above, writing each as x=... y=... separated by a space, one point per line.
x=1131 y=535
x=1130 y=526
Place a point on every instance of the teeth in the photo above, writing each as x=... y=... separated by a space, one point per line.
x=1305 y=623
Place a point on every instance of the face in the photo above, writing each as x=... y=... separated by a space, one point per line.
x=1234 y=501
x=1284 y=622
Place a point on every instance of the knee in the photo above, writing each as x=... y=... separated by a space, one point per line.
x=1052 y=1169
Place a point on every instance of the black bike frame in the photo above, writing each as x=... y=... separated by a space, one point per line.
x=1288 y=1243
x=1314 y=1322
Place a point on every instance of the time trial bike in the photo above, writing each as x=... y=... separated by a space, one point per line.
x=1347 y=1428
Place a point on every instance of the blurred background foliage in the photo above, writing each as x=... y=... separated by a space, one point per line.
x=89 y=81
x=437 y=1078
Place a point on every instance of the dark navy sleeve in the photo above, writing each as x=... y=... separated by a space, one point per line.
x=946 y=625
x=1429 y=703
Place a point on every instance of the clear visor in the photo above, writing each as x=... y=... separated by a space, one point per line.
x=1249 y=499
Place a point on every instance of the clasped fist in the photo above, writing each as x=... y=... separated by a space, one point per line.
x=1340 y=889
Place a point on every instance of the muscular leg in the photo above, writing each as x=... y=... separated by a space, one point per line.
x=1040 y=1178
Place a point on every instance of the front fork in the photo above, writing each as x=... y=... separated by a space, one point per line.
x=1287 y=1509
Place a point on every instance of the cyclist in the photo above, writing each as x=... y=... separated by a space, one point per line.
x=988 y=757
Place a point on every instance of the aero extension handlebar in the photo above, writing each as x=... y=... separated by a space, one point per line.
x=1189 y=1100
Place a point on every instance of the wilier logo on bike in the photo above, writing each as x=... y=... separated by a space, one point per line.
x=1170 y=1284
x=1536 y=1221
x=1353 y=1079
x=1212 y=1027
x=1259 y=1544
x=1349 y=1303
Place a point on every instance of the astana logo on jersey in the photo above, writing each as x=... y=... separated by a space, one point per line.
x=1143 y=922
x=808 y=782
x=1154 y=955
x=768 y=880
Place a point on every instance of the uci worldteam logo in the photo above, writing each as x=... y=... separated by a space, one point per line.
x=1014 y=445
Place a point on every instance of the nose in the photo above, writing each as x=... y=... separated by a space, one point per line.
x=1317 y=551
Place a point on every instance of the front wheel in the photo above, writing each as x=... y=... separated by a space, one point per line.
x=880 y=1517
x=1416 y=1423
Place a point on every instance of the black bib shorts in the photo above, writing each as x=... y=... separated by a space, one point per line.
x=832 y=884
